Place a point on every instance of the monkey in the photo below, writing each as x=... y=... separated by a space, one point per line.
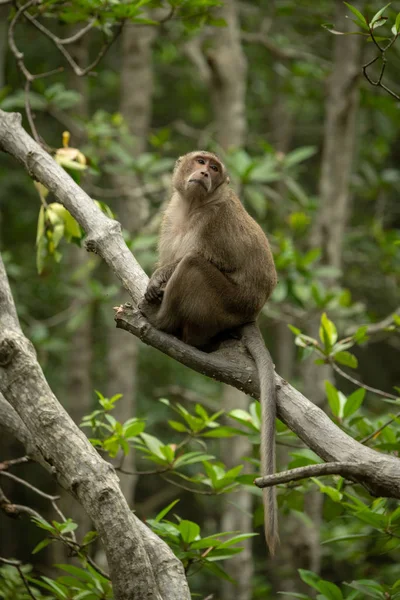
x=214 y=274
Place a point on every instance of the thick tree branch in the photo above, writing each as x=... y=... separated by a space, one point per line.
x=141 y=566
x=379 y=473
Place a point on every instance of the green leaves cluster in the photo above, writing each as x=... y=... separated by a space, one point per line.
x=328 y=346
x=356 y=590
x=195 y=551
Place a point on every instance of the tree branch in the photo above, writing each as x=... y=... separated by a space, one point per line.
x=141 y=565
x=350 y=470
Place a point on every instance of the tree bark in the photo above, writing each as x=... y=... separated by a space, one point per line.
x=228 y=70
x=136 y=107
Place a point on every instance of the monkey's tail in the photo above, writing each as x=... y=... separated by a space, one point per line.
x=252 y=338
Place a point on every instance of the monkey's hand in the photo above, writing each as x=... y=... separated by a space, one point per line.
x=156 y=285
x=155 y=290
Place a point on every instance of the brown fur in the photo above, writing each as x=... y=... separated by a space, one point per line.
x=215 y=272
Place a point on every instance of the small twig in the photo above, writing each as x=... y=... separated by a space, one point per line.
x=19 y=57
x=63 y=519
x=189 y=489
x=378 y=431
x=104 y=49
x=379 y=326
x=77 y=36
x=153 y=472
x=345 y=469
x=17 y=564
x=28 y=110
x=382 y=56
x=360 y=384
x=77 y=547
x=29 y=485
x=25 y=582
x=97 y=568
x=11 y=41
x=7 y=561
x=6 y=464
x=168 y=16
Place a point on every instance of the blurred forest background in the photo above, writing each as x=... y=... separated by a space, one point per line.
x=313 y=150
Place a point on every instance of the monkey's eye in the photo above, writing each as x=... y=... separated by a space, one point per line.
x=214 y=168
x=201 y=161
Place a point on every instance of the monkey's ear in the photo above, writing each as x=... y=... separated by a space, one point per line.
x=178 y=162
x=228 y=179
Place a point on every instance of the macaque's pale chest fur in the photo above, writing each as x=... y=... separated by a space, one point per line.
x=180 y=231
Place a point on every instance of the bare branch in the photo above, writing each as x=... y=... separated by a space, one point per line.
x=15 y=510
x=382 y=57
x=6 y=464
x=77 y=36
x=362 y=385
x=28 y=485
x=378 y=327
x=18 y=565
x=345 y=469
x=381 y=428
x=59 y=43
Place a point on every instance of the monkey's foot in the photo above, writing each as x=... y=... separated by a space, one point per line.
x=149 y=309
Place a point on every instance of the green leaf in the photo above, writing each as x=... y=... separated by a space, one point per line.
x=189 y=531
x=68 y=527
x=327 y=332
x=299 y=155
x=333 y=398
x=310 y=578
x=60 y=590
x=357 y=13
x=397 y=23
x=330 y=590
x=165 y=510
x=328 y=490
x=376 y=17
x=72 y=227
x=223 y=432
x=369 y=589
x=353 y=402
x=43 y=524
x=133 y=429
x=40 y=225
x=294 y=330
x=361 y=334
x=41 y=545
x=347 y=359
x=89 y=537
x=153 y=444
x=177 y=426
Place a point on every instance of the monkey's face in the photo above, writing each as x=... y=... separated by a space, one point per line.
x=199 y=174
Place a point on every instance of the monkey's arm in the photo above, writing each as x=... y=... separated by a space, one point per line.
x=158 y=279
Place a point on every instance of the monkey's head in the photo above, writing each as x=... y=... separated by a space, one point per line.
x=198 y=174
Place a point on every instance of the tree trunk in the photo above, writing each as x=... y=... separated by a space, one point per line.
x=228 y=67
x=328 y=231
x=135 y=106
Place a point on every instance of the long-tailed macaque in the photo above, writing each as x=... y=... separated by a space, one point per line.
x=215 y=272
